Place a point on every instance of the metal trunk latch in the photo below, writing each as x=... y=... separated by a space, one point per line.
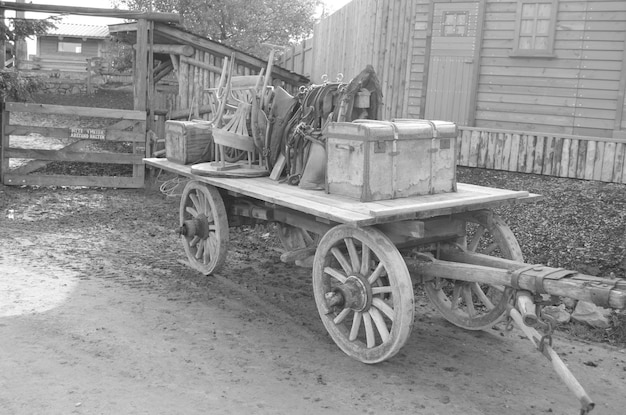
x=380 y=146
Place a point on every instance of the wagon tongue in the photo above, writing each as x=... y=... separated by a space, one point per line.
x=538 y=279
x=529 y=281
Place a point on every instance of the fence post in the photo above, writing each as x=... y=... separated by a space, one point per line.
x=4 y=142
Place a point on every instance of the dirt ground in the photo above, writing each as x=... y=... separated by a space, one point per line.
x=99 y=316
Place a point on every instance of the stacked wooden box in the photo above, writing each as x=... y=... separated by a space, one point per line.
x=377 y=160
x=188 y=142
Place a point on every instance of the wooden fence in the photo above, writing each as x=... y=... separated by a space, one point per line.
x=379 y=33
x=589 y=158
x=76 y=140
x=299 y=58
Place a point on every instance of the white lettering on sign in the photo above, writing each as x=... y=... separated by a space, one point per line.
x=92 y=133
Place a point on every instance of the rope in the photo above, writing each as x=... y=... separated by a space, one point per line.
x=174 y=186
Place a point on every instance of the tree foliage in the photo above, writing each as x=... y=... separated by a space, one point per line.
x=243 y=24
x=19 y=28
x=13 y=85
x=16 y=87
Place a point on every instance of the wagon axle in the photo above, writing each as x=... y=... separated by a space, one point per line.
x=355 y=293
x=198 y=226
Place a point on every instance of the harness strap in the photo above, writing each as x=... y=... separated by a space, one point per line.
x=515 y=274
x=551 y=274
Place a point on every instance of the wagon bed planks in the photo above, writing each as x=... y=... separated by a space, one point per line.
x=345 y=210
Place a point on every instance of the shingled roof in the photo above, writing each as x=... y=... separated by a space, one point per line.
x=79 y=30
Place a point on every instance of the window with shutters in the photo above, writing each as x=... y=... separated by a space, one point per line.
x=454 y=24
x=535 y=28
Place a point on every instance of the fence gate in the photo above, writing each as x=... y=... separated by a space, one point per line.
x=52 y=145
x=451 y=64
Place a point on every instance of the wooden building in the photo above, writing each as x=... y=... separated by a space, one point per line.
x=555 y=66
x=68 y=46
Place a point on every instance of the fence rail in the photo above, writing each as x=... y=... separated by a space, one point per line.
x=588 y=158
x=35 y=135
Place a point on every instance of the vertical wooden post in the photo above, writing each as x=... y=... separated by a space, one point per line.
x=4 y=141
x=471 y=117
x=429 y=39
x=89 y=85
x=140 y=81
x=619 y=111
x=3 y=45
x=140 y=75
x=20 y=54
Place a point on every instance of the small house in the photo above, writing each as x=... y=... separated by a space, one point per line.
x=69 y=46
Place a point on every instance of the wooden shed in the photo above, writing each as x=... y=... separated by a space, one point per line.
x=555 y=66
x=68 y=46
x=195 y=62
x=191 y=63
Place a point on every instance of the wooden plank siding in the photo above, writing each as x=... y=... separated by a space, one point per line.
x=575 y=92
x=579 y=90
x=573 y=156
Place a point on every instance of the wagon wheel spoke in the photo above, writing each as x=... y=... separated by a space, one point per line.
x=341 y=259
x=353 y=254
x=335 y=274
x=363 y=292
x=341 y=316
x=369 y=331
x=193 y=212
x=200 y=249
x=490 y=249
x=456 y=296
x=376 y=274
x=384 y=307
x=210 y=247
x=381 y=290
x=356 y=325
x=365 y=260
x=482 y=297
x=196 y=203
x=471 y=305
x=381 y=326
x=473 y=245
x=469 y=301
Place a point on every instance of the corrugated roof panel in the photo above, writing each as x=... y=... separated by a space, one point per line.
x=79 y=30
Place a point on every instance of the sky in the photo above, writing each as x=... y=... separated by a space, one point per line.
x=332 y=5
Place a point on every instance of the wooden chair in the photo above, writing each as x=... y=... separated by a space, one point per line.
x=240 y=126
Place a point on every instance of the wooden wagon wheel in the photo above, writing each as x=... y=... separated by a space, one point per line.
x=293 y=238
x=363 y=292
x=471 y=305
x=203 y=227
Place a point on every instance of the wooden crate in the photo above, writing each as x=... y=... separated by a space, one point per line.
x=377 y=160
x=188 y=142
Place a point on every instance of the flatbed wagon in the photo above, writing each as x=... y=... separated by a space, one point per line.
x=366 y=258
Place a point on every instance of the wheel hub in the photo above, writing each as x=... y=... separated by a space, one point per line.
x=355 y=293
x=198 y=226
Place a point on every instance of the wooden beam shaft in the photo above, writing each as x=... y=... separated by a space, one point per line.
x=600 y=291
x=185 y=50
x=140 y=74
x=199 y=64
x=222 y=50
x=92 y=11
x=162 y=73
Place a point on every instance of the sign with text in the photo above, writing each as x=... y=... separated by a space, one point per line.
x=91 y=133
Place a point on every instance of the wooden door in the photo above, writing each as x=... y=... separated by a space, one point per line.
x=452 y=62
